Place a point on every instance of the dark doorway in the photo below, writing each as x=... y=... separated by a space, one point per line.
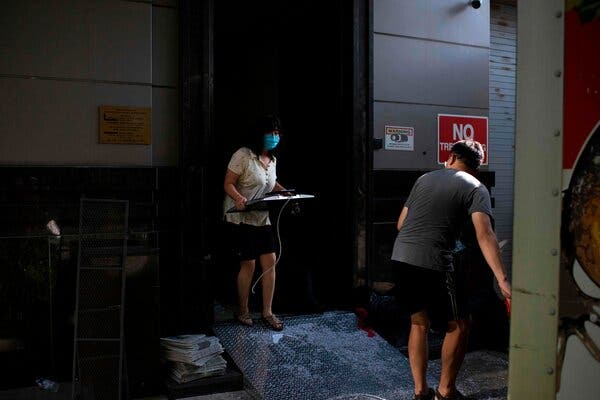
x=292 y=59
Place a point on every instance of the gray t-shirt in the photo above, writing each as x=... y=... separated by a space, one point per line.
x=439 y=206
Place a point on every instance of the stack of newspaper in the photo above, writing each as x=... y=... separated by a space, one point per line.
x=193 y=357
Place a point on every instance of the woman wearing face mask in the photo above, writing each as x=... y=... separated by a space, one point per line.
x=251 y=173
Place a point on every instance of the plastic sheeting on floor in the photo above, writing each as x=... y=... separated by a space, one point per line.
x=326 y=356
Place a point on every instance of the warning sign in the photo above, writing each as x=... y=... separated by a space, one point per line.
x=399 y=138
x=452 y=128
x=125 y=125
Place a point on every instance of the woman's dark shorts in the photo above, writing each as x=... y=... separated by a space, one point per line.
x=442 y=294
x=250 y=242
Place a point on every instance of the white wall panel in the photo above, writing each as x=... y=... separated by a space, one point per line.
x=165 y=3
x=448 y=20
x=165 y=126
x=423 y=118
x=61 y=59
x=105 y=40
x=56 y=122
x=427 y=72
x=165 y=50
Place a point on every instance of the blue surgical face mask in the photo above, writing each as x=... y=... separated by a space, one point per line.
x=271 y=141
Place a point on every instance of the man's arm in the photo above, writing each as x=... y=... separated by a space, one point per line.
x=490 y=249
x=401 y=218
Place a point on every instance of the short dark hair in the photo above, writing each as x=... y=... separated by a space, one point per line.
x=470 y=152
x=268 y=123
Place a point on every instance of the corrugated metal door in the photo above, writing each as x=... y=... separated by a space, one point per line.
x=503 y=60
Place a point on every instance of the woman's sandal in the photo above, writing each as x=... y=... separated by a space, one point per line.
x=245 y=320
x=272 y=322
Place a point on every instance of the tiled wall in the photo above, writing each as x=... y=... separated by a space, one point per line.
x=37 y=290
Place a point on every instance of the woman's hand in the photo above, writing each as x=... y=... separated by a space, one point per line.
x=240 y=203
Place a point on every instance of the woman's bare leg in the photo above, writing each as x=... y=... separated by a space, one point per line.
x=267 y=263
x=244 y=280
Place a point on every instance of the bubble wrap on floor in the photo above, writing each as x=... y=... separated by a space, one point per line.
x=325 y=356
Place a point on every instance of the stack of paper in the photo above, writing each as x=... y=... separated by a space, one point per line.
x=193 y=357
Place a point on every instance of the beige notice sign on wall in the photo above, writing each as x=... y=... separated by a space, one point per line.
x=125 y=125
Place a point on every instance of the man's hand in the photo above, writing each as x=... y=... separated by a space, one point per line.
x=491 y=250
x=505 y=288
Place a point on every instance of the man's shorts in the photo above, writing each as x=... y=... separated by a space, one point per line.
x=443 y=295
x=250 y=242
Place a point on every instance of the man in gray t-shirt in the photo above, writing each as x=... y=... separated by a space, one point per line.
x=440 y=204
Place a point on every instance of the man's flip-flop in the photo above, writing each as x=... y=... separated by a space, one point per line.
x=430 y=395
x=456 y=396
x=272 y=322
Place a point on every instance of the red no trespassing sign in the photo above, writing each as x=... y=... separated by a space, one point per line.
x=452 y=128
